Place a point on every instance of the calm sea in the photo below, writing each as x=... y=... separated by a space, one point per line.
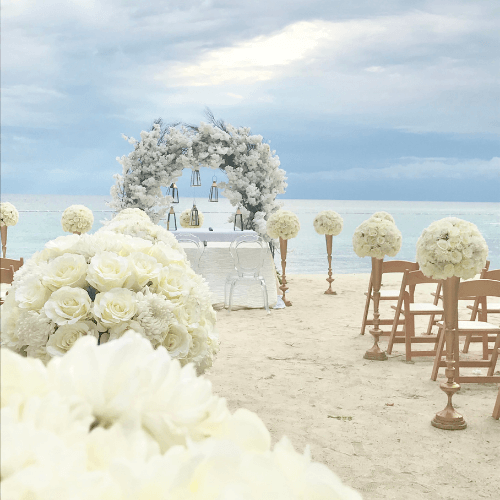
x=40 y=221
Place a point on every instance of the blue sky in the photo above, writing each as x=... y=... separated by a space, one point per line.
x=361 y=100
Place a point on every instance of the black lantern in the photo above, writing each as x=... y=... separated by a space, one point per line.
x=194 y=219
x=173 y=191
x=195 y=178
x=171 y=216
x=214 y=191
x=238 y=220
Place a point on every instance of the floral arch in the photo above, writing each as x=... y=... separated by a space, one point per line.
x=158 y=159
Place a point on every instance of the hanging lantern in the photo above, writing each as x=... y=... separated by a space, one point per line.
x=194 y=219
x=238 y=220
x=214 y=191
x=195 y=178
x=171 y=216
x=173 y=191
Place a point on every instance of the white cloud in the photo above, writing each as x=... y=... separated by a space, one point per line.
x=416 y=168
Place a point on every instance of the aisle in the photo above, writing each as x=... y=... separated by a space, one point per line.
x=302 y=370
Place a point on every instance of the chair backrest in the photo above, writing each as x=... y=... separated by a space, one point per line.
x=494 y=274
x=469 y=290
x=7 y=274
x=417 y=277
x=6 y=263
x=249 y=253
x=398 y=266
x=192 y=245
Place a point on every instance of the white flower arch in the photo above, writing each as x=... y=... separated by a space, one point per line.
x=158 y=159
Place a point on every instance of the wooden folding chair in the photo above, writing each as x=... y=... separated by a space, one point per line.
x=6 y=278
x=496 y=409
x=479 y=330
x=480 y=311
x=15 y=263
x=407 y=306
x=391 y=266
x=438 y=296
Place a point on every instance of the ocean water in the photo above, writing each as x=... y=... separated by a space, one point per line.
x=40 y=221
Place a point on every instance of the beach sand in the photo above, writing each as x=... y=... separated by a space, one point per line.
x=302 y=370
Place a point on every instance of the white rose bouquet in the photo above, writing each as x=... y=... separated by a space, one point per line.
x=77 y=219
x=185 y=219
x=377 y=237
x=451 y=247
x=328 y=222
x=283 y=224
x=124 y=421
x=103 y=284
x=9 y=216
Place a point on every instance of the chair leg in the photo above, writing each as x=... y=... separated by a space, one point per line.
x=494 y=357
x=467 y=343
x=496 y=410
x=367 y=307
x=392 y=337
x=409 y=334
x=233 y=283
x=264 y=293
x=439 y=353
x=485 y=346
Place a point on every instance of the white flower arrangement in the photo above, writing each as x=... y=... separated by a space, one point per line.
x=77 y=219
x=377 y=237
x=283 y=224
x=124 y=421
x=254 y=178
x=451 y=247
x=185 y=219
x=102 y=285
x=383 y=215
x=328 y=222
x=9 y=216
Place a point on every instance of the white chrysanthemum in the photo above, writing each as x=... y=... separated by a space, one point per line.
x=34 y=328
x=283 y=224
x=154 y=314
x=32 y=294
x=9 y=216
x=376 y=238
x=185 y=219
x=451 y=247
x=77 y=219
x=383 y=215
x=328 y=222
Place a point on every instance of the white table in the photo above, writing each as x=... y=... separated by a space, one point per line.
x=216 y=263
x=215 y=235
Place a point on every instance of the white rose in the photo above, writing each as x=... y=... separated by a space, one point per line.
x=67 y=270
x=66 y=335
x=115 y=307
x=68 y=305
x=177 y=342
x=172 y=282
x=144 y=269
x=115 y=332
x=32 y=294
x=107 y=271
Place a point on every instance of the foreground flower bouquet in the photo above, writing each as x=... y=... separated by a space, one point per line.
x=330 y=224
x=450 y=249
x=103 y=284
x=9 y=216
x=124 y=421
x=377 y=237
x=284 y=225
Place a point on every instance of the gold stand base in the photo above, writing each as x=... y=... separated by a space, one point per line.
x=330 y=292
x=455 y=423
x=375 y=355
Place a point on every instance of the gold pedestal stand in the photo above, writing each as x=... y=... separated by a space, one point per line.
x=283 y=287
x=449 y=419
x=329 y=239
x=3 y=230
x=375 y=353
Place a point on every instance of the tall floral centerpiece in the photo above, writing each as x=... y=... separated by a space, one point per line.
x=77 y=219
x=9 y=216
x=103 y=284
x=284 y=225
x=450 y=249
x=376 y=237
x=124 y=421
x=330 y=224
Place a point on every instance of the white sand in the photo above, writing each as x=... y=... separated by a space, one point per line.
x=302 y=370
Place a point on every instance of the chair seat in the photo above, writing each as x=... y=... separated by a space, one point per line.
x=388 y=294
x=423 y=308
x=479 y=326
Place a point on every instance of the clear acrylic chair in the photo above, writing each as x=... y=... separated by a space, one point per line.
x=193 y=247
x=249 y=253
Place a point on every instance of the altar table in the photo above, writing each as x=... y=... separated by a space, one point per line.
x=218 y=235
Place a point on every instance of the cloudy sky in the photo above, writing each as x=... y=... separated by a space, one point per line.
x=387 y=99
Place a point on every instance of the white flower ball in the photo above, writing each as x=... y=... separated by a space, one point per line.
x=376 y=237
x=328 y=222
x=283 y=224
x=451 y=247
x=9 y=216
x=383 y=215
x=185 y=219
x=77 y=219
